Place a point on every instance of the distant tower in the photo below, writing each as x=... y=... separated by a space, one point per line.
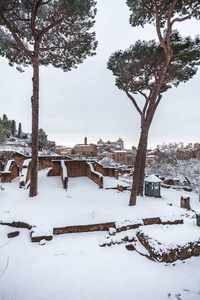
x=85 y=140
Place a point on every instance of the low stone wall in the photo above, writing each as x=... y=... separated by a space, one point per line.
x=169 y=255
x=151 y=221
x=83 y=228
x=128 y=224
x=112 y=227
x=17 y=224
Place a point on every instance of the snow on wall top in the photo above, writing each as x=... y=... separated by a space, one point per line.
x=164 y=236
x=9 y=162
x=92 y=169
x=26 y=162
x=120 y=151
x=64 y=169
x=152 y=178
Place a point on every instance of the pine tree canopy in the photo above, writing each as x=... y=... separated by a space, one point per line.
x=42 y=139
x=137 y=68
x=146 y=11
x=61 y=28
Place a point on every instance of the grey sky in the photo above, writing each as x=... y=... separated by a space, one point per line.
x=86 y=102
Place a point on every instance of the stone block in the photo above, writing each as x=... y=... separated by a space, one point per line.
x=13 y=234
x=185 y=202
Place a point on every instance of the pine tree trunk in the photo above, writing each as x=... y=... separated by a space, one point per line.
x=140 y=191
x=138 y=177
x=35 y=120
x=139 y=166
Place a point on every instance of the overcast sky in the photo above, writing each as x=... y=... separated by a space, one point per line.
x=86 y=102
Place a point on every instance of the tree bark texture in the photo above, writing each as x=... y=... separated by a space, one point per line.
x=138 y=177
x=142 y=170
x=35 y=120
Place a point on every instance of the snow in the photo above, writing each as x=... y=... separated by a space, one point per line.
x=41 y=230
x=92 y=169
x=111 y=182
x=120 y=151
x=172 y=235
x=74 y=266
x=9 y=162
x=23 y=173
x=152 y=178
x=64 y=168
x=26 y=163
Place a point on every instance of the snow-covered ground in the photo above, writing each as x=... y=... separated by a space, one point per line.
x=73 y=266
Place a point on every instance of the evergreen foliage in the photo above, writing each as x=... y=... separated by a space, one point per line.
x=19 y=131
x=5 y=128
x=3 y=134
x=60 y=27
x=13 y=128
x=42 y=139
x=145 y=11
x=136 y=69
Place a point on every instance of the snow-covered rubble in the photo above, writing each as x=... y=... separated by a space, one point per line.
x=73 y=266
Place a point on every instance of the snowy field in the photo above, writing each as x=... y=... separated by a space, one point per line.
x=73 y=266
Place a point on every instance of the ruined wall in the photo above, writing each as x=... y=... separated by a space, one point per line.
x=94 y=175
x=75 y=168
x=170 y=254
x=12 y=173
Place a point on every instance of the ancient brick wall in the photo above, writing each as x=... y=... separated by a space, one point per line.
x=94 y=176
x=98 y=168
x=46 y=161
x=5 y=177
x=121 y=156
x=170 y=254
x=4 y=157
x=19 y=158
x=76 y=168
x=12 y=173
x=83 y=228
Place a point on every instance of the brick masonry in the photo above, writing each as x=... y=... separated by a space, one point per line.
x=170 y=255
x=17 y=224
x=83 y=228
x=11 y=174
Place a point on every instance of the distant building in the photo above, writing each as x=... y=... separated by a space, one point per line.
x=131 y=156
x=86 y=150
x=119 y=144
x=197 y=146
x=103 y=154
x=121 y=156
x=62 y=150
